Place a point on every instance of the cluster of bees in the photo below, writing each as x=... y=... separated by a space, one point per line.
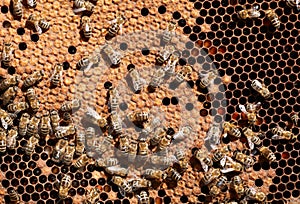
x=222 y=168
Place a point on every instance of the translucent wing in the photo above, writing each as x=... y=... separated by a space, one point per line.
x=223 y=161
x=38 y=28
x=227 y=170
x=251 y=144
x=257 y=83
x=277 y=137
x=204 y=166
x=92 y=113
x=243 y=109
x=78 y=10
x=4 y=124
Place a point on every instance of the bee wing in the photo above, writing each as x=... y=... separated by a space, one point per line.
x=227 y=170
x=277 y=137
x=91 y=112
x=251 y=144
x=38 y=28
x=243 y=109
x=4 y=124
x=225 y=135
x=78 y=10
x=257 y=83
x=204 y=166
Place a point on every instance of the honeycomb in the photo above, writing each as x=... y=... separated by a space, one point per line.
x=241 y=51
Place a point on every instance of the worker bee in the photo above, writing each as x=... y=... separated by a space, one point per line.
x=185 y=71
x=143 y=149
x=17 y=8
x=155 y=174
x=64 y=131
x=212 y=138
x=87 y=62
x=205 y=161
x=261 y=89
x=182 y=160
x=220 y=155
x=34 y=78
x=253 y=194
x=32 y=142
x=113 y=55
x=249 y=13
x=136 y=80
x=8 y=82
x=250 y=111
x=116 y=170
x=86 y=26
x=2 y=140
x=32 y=100
x=267 y=153
x=173 y=174
x=68 y=154
x=54 y=118
x=163 y=160
x=138 y=184
x=231 y=166
x=9 y=95
x=123 y=144
x=31 y=3
x=13 y=196
x=82 y=161
x=92 y=196
x=73 y=105
x=273 y=17
x=231 y=129
x=116 y=123
x=114 y=98
x=17 y=107
x=106 y=144
x=295 y=118
x=169 y=32
x=80 y=141
x=56 y=78
x=116 y=25
x=67 y=118
x=246 y=160
x=252 y=137
x=150 y=126
x=132 y=151
x=171 y=64
x=64 y=186
x=124 y=186
x=164 y=143
x=24 y=120
x=281 y=134
x=157 y=136
x=43 y=24
x=207 y=79
x=182 y=133
x=33 y=125
x=6 y=119
x=11 y=138
x=107 y=162
x=237 y=185
x=143 y=198
x=218 y=186
x=165 y=54
x=6 y=56
x=157 y=78
x=59 y=150
x=93 y=117
x=293 y=3
x=83 y=6
x=138 y=116
x=39 y=24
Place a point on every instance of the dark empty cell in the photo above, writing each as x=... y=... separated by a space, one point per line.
x=162 y=9
x=20 y=31
x=184 y=199
x=189 y=106
x=144 y=11
x=101 y=181
x=72 y=49
x=80 y=191
x=233 y=63
x=26 y=197
x=199 y=20
x=145 y=51
x=103 y=196
x=197 y=5
x=182 y=22
x=22 y=46
x=107 y=85
x=4 y=9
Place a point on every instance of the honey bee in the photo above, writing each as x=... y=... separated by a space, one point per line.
x=33 y=125
x=273 y=17
x=246 y=160
x=13 y=196
x=31 y=3
x=64 y=131
x=32 y=100
x=17 y=107
x=185 y=71
x=132 y=151
x=205 y=161
x=56 y=78
x=182 y=133
x=107 y=162
x=218 y=186
x=281 y=134
x=212 y=138
x=138 y=184
x=253 y=194
x=34 y=78
x=157 y=136
x=295 y=118
x=171 y=64
x=138 y=116
x=82 y=161
x=116 y=123
x=93 y=117
x=83 y=6
x=220 y=155
x=293 y=3
x=87 y=62
x=8 y=82
x=249 y=13
x=150 y=126
x=92 y=196
x=73 y=105
x=155 y=174
x=182 y=160
x=165 y=54
x=261 y=89
x=2 y=140
x=114 y=98
x=64 y=187
x=157 y=78
x=143 y=148
x=116 y=170
x=6 y=119
x=250 y=111
x=33 y=19
x=59 y=150
x=163 y=160
x=44 y=25
x=80 y=141
x=86 y=26
x=237 y=185
x=9 y=95
x=164 y=143
x=32 y=142
x=267 y=153
x=231 y=129
x=106 y=144
x=136 y=80
x=123 y=185
x=17 y=8
x=208 y=79
x=169 y=32
x=173 y=174
x=6 y=56
x=143 y=198
x=54 y=118
x=116 y=25
x=232 y=166
x=124 y=143
x=252 y=137
x=68 y=154
x=113 y=55
x=11 y=138
x=67 y=117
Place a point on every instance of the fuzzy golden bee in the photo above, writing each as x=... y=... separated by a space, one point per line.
x=273 y=17
x=8 y=82
x=116 y=123
x=169 y=32
x=94 y=118
x=83 y=6
x=33 y=125
x=80 y=143
x=39 y=24
x=182 y=133
x=113 y=55
x=56 y=78
x=231 y=129
x=183 y=73
x=11 y=138
x=114 y=98
x=59 y=150
x=251 y=112
x=246 y=160
x=218 y=186
x=45 y=125
x=252 y=138
x=17 y=107
x=2 y=140
x=64 y=186
x=116 y=25
x=138 y=184
x=123 y=185
x=295 y=119
x=9 y=95
x=32 y=99
x=138 y=116
x=165 y=54
x=143 y=198
x=157 y=78
x=6 y=119
x=32 y=142
x=64 y=131
x=155 y=174
x=293 y=4
x=86 y=26
x=24 y=120
x=253 y=194
x=87 y=62
x=232 y=166
x=249 y=13
x=171 y=64
x=281 y=134
x=54 y=118
x=82 y=161
x=136 y=79
x=173 y=174
x=261 y=89
x=207 y=79
x=73 y=105
x=92 y=196
x=6 y=57
x=132 y=151
x=267 y=153
x=205 y=161
x=68 y=154
x=34 y=78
